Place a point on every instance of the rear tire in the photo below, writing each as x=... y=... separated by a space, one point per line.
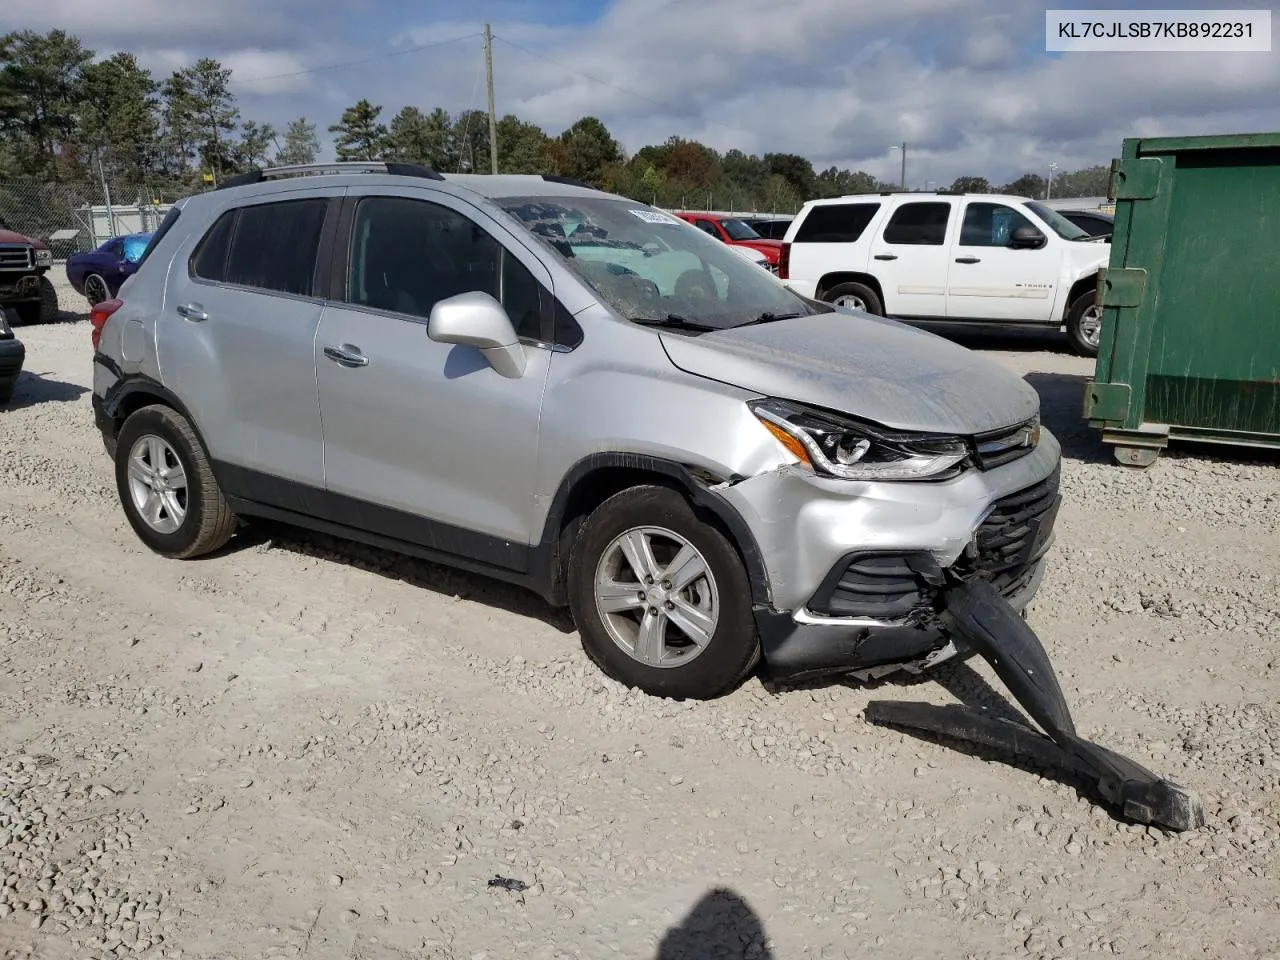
x=96 y=290
x=167 y=487
x=856 y=295
x=6 y=390
x=690 y=637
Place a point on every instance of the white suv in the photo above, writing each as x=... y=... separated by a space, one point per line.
x=969 y=258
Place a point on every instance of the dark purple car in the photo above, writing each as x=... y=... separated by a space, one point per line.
x=99 y=273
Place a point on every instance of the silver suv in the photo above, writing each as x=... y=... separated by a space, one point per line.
x=577 y=393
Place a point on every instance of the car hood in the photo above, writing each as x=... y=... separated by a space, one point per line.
x=867 y=367
x=9 y=236
x=762 y=243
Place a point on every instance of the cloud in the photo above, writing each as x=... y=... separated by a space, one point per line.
x=969 y=91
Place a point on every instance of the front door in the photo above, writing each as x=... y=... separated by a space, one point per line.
x=990 y=280
x=424 y=441
x=237 y=342
x=909 y=258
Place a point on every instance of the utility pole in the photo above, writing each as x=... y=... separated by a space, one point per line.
x=1048 y=188
x=903 y=148
x=493 y=124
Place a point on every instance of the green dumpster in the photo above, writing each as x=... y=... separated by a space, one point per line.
x=1190 y=340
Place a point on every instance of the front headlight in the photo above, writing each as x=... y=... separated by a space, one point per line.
x=834 y=446
x=44 y=258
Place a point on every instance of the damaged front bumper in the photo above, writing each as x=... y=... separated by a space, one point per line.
x=859 y=572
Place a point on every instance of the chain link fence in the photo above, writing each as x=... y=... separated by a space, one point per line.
x=71 y=216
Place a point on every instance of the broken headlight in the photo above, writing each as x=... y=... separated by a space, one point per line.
x=832 y=446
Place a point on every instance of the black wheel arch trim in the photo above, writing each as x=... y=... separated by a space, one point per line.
x=126 y=386
x=550 y=561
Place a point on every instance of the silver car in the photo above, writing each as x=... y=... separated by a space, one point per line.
x=577 y=393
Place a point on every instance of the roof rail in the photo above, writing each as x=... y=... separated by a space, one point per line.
x=257 y=175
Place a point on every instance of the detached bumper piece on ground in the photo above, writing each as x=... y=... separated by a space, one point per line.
x=979 y=617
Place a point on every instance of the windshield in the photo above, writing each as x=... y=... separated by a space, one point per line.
x=1057 y=222
x=649 y=265
x=739 y=230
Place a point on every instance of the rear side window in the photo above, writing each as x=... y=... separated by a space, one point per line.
x=835 y=222
x=274 y=246
x=209 y=262
x=919 y=223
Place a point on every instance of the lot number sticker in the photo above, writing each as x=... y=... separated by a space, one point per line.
x=653 y=216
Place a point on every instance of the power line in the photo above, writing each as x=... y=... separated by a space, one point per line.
x=354 y=63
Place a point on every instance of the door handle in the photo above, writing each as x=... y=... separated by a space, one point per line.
x=192 y=311
x=967 y=260
x=886 y=256
x=347 y=355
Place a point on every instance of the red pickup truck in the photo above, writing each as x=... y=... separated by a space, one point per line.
x=734 y=232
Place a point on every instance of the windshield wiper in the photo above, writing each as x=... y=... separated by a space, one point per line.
x=671 y=320
x=771 y=317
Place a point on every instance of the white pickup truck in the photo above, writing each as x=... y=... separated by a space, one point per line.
x=968 y=258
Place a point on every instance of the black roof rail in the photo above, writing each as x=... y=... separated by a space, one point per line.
x=395 y=168
x=567 y=181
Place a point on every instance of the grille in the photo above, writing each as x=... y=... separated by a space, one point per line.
x=880 y=587
x=999 y=447
x=15 y=257
x=1013 y=532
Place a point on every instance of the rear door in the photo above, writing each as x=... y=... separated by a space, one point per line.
x=236 y=343
x=910 y=258
x=424 y=441
x=990 y=280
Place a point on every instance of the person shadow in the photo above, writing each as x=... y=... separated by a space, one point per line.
x=720 y=925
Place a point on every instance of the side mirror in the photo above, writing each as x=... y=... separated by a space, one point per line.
x=1026 y=238
x=477 y=320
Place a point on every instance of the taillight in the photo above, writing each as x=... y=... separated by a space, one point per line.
x=98 y=318
x=784 y=262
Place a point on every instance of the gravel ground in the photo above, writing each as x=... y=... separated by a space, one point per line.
x=301 y=747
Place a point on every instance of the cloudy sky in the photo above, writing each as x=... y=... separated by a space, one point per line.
x=966 y=83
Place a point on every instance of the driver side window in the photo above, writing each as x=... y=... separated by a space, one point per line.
x=407 y=255
x=990 y=225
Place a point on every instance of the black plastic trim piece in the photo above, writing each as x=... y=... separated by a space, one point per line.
x=567 y=181
x=801 y=651
x=918 y=578
x=444 y=541
x=306 y=521
x=397 y=169
x=246 y=179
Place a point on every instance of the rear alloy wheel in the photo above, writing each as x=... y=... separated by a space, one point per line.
x=166 y=485
x=856 y=296
x=95 y=290
x=661 y=598
x=1084 y=325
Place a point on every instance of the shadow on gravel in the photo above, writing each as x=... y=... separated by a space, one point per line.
x=37 y=388
x=721 y=924
x=1062 y=411
x=422 y=574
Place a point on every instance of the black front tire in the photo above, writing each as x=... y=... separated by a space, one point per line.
x=734 y=647
x=45 y=310
x=208 y=522
x=1076 y=316
x=859 y=290
x=6 y=389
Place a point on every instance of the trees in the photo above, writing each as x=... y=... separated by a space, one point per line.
x=118 y=117
x=211 y=114
x=1028 y=185
x=360 y=135
x=585 y=149
x=40 y=83
x=416 y=137
x=522 y=146
x=301 y=145
x=970 y=185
